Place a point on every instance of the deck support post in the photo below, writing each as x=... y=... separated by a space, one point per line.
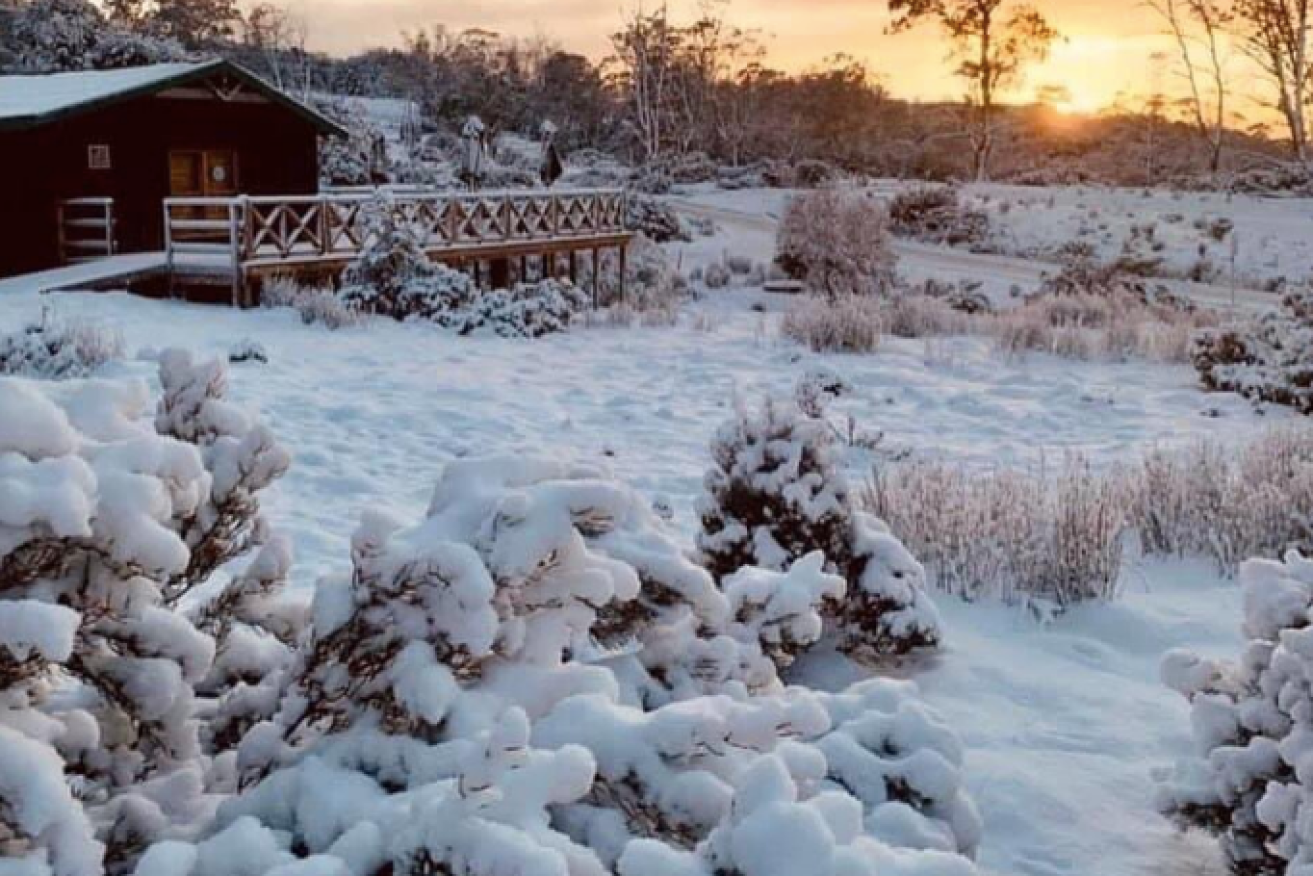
x=597 y=275
x=624 y=250
x=499 y=274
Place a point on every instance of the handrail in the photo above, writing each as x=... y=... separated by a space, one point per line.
x=86 y=229
x=264 y=229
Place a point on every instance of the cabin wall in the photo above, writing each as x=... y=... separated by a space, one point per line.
x=277 y=153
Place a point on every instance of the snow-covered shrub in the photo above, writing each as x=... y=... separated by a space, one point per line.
x=1247 y=780
x=1268 y=360
x=59 y=350
x=717 y=275
x=964 y=297
x=811 y=173
x=106 y=520
x=935 y=214
x=393 y=275
x=837 y=243
x=360 y=158
x=58 y=35
x=655 y=219
x=527 y=310
x=1048 y=536
x=314 y=305
x=1292 y=178
x=852 y=324
x=248 y=350
x=654 y=287
x=451 y=712
x=240 y=455
x=914 y=314
x=775 y=494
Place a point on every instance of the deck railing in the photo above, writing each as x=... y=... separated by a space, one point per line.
x=260 y=230
x=86 y=229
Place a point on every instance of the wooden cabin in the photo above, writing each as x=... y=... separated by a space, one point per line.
x=88 y=158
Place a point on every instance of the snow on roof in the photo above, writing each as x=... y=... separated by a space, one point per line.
x=35 y=99
x=40 y=95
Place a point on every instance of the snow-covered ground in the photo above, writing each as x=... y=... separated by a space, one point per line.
x=1063 y=724
x=1273 y=238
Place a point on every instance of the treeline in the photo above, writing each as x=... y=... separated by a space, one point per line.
x=692 y=96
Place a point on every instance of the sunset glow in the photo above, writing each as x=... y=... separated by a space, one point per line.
x=1105 y=54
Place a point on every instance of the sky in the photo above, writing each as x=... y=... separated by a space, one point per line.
x=1108 y=47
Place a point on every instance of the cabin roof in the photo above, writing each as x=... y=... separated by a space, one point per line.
x=29 y=101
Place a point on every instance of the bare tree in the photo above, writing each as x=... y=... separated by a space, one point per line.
x=994 y=40
x=1276 y=37
x=644 y=70
x=1198 y=28
x=279 y=38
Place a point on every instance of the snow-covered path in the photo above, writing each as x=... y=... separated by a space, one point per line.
x=752 y=232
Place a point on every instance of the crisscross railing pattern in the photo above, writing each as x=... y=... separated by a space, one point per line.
x=265 y=229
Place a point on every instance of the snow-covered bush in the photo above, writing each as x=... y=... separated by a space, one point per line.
x=248 y=350
x=653 y=283
x=913 y=313
x=360 y=158
x=1268 y=360
x=852 y=324
x=315 y=306
x=451 y=712
x=1252 y=720
x=59 y=350
x=655 y=219
x=59 y=35
x=775 y=494
x=837 y=243
x=527 y=310
x=106 y=521
x=935 y=214
x=241 y=457
x=393 y=275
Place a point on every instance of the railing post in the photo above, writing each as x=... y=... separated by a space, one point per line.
x=108 y=209
x=324 y=248
x=234 y=255
x=61 y=219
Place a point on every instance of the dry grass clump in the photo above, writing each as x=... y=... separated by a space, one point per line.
x=1057 y=534
x=1051 y=535
x=1227 y=504
x=849 y=324
x=920 y=316
x=1096 y=328
x=316 y=306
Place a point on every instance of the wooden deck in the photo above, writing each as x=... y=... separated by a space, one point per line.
x=242 y=239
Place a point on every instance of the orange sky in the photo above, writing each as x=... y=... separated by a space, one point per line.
x=1107 y=50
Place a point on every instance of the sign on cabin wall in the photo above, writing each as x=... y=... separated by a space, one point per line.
x=98 y=157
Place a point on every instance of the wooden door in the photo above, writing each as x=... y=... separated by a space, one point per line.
x=203 y=173
x=220 y=167
x=208 y=173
